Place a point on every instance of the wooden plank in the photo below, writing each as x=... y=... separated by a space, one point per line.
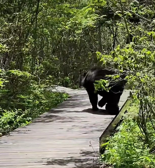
x=67 y=137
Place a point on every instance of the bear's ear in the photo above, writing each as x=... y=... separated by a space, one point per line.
x=123 y=75
x=84 y=74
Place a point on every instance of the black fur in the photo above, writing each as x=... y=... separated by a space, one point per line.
x=112 y=97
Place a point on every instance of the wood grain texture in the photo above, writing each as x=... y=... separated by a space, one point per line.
x=65 y=137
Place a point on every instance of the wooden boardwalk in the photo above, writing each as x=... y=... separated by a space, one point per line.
x=65 y=137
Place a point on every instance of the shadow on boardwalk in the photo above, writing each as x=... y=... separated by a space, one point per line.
x=65 y=137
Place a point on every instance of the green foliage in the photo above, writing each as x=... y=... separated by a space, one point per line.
x=52 y=42
x=127 y=147
x=44 y=101
x=22 y=99
x=124 y=149
x=37 y=49
x=131 y=49
x=102 y=85
x=107 y=83
x=17 y=89
x=13 y=119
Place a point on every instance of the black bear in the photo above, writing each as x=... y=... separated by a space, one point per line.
x=110 y=98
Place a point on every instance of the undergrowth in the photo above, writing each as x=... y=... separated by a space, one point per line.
x=12 y=119
x=22 y=99
x=128 y=148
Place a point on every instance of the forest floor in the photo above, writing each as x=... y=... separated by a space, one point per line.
x=65 y=137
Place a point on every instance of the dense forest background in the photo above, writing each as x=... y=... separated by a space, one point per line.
x=48 y=42
x=57 y=40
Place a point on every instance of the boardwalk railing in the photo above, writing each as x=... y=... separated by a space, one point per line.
x=110 y=130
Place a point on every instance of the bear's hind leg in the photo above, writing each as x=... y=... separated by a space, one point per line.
x=112 y=108
x=102 y=102
x=93 y=99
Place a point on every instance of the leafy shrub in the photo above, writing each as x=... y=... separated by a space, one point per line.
x=11 y=119
x=139 y=66
x=127 y=147
x=131 y=147
x=22 y=99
